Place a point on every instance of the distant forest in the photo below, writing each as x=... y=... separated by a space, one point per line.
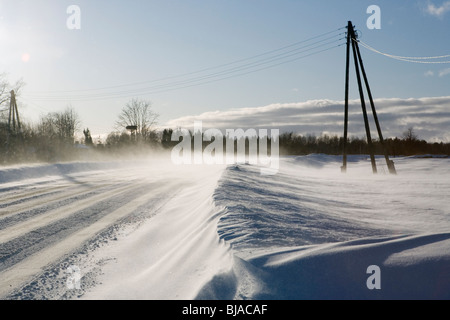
x=409 y=144
x=53 y=140
x=295 y=144
x=55 y=137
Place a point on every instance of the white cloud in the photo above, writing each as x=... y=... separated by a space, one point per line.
x=438 y=11
x=429 y=73
x=431 y=114
x=444 y=72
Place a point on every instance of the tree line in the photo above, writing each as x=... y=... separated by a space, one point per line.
x=54 y=137
x=296 y=144
x=409 y=144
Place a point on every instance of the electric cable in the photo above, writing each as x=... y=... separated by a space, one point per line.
x=407 y=59
x=236 y=68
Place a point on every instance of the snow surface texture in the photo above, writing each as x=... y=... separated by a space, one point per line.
x=151 y=230
x=311 y=232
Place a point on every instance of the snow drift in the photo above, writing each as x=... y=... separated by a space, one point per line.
x=312 y=233
x=151 y=230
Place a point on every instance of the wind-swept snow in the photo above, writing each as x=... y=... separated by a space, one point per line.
x=176 y=252
x=152 y=230
x=311 y=232
x=145 y=229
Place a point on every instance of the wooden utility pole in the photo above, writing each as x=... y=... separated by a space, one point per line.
x=347 y=71
x=14 y=120
x=352 y=40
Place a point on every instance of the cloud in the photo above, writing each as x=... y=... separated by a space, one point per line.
x=438 y=11
x=430 y=117
x=441 y=73
x=444 y=72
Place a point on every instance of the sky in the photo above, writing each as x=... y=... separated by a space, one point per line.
x=230 y=63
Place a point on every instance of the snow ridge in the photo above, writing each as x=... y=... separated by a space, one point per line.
x=312 y=233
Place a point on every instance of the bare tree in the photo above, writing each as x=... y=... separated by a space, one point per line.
x=46 y=127
x=60 y=125
x=5 y=95
x=67 y=123
x=410 y=135
x=139 y=113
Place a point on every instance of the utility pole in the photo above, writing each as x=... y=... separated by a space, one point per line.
x=363 y=104
x=347 y=71
x=14 y=120
x=352 y=40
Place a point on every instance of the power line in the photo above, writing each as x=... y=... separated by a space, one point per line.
x=205 y=69
x=34 y=105
x=179 y=85
x=407 y=59
x=227 y=74
x=237 y=68
x=264 y=68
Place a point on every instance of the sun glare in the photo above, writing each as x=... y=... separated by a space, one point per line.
x=26 y=57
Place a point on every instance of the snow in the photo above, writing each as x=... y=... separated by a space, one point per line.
x=311 y=232
x=148 y=229
x=176 y=253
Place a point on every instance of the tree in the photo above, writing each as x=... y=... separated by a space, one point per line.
x=5 y=95
x=412 y=143
x=139 y=113
x=87 y=137
x=67 y=123
x=117 y=139
x=166 y=139
x=60 y=125
x=409 y=135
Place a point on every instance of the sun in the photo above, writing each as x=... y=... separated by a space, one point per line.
x=26 y=57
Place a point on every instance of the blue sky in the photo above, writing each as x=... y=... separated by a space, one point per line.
x=124 y=49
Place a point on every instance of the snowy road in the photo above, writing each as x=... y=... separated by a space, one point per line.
x=49 y=221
